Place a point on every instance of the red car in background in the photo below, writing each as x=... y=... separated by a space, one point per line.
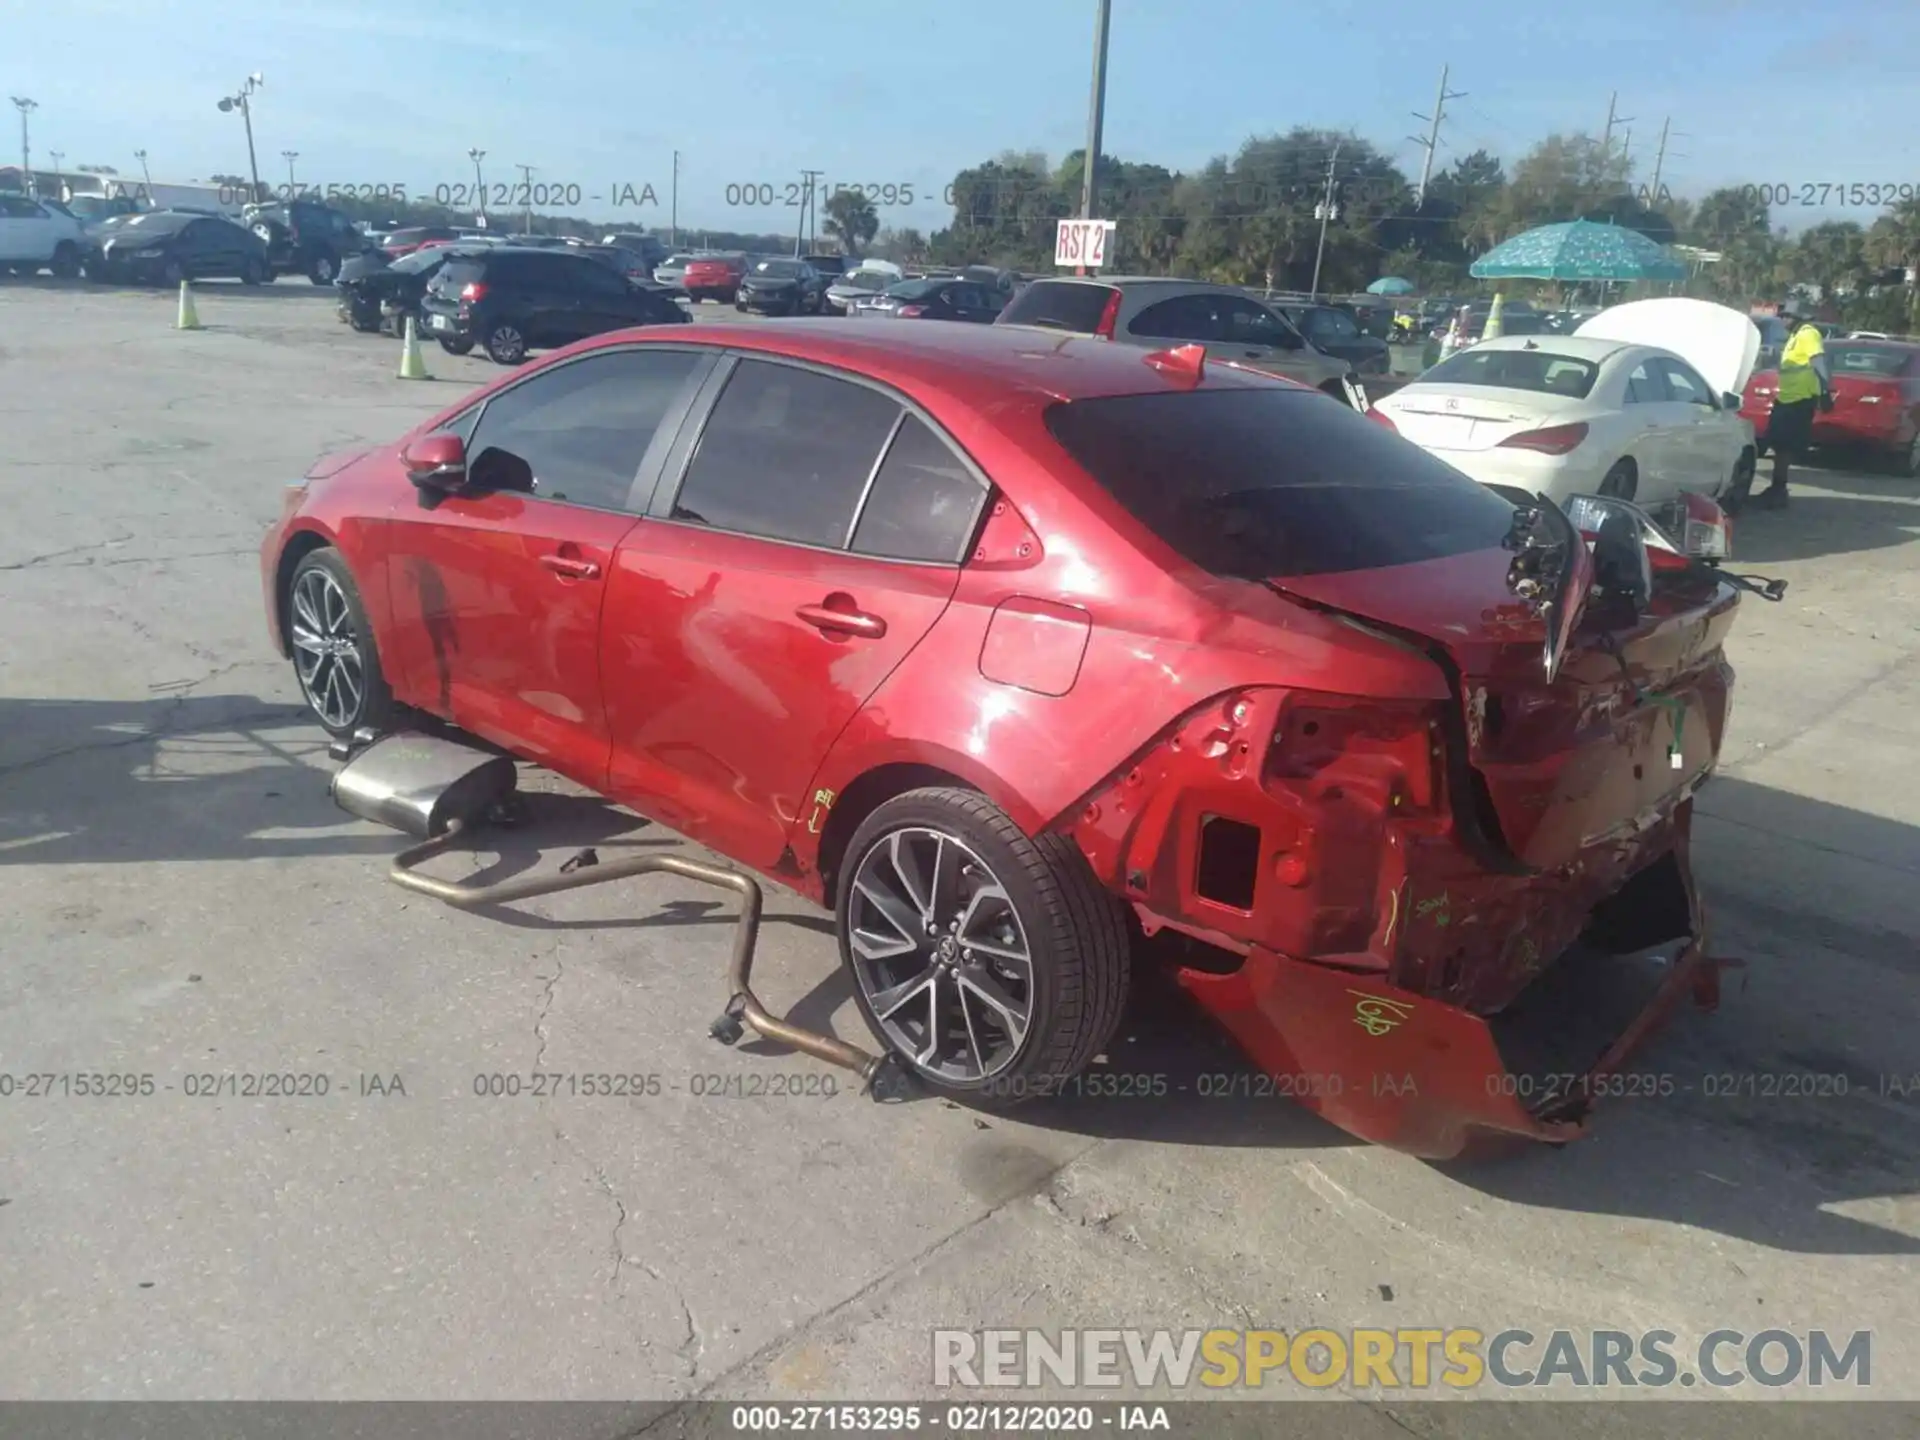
x=1016 y=650
x=417 y=237
x=1876 y=409
x=714 y=277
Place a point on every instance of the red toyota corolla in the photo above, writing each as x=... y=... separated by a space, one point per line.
x=1009 y=647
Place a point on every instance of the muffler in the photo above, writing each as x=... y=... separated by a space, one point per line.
x=443 y=792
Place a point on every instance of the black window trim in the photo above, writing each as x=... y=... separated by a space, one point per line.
x=679 y=458
x=650 y=460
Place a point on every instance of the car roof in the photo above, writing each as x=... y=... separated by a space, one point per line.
x=960 y=358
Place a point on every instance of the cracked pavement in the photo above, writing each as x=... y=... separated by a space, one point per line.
x=182 y=900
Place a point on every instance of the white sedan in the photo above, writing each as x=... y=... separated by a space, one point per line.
x=1594 y=413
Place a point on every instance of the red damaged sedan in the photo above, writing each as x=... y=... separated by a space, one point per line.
x=1876 y=402
x=1013 y=650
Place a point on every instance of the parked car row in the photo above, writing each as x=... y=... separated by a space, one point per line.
x=506 y=298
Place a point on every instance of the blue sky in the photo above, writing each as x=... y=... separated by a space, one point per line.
x=750 y=91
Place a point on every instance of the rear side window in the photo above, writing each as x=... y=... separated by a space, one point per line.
x=457 y=274
x=1268 y=483
x=923 y=503
x=786 y=455
x=1059 y=305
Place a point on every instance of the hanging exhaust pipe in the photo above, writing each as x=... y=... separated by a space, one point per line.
x=445 y=792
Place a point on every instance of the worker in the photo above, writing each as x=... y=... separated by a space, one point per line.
x=1805 y=385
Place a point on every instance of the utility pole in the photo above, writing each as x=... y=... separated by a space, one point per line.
x=806 y=200
x=673 y=215
x=1614 y=117
x=476 y=155
x=141 y=156
x=59 y=185
x=526 y=180
x=290 y=156
x=26 y=107
x=1327 y=211
x=1431 y=144
x=1659 y=162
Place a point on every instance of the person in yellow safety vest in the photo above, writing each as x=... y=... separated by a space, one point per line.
x=1805 y=385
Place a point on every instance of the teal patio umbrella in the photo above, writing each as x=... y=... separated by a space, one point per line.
x=1579 y=250
x=1391 y=285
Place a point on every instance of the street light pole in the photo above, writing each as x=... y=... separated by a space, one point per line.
x=290 y=156
x=25 y=107
x=147 y=174
x=479 y=182
x=59 y=183
x=242 y=103
x=1096 y=111
x=673 y=220
x=526 y=179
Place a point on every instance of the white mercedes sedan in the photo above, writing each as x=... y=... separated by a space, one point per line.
x=1598 y=412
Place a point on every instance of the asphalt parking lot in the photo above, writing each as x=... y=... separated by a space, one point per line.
x=182 y=898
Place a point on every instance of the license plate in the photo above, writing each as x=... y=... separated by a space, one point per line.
x=439 y=322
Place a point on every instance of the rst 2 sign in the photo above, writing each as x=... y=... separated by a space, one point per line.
x=1083 y=242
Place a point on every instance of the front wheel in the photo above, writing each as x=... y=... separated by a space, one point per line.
x=66 y=260
x=991 y=963
x=322 y=269
x=253 y=270
x=173 y=273
x=334 y=658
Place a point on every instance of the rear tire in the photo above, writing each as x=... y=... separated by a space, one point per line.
x=1621 y=482
x=1038 y=992
x=457 y=347
x=505 y=345
x=323 y=269
x=66 y=260
x=335 y=661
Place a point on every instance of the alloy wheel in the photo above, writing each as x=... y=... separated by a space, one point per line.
x=940 y=955
x=506 y=345
x=326 y=649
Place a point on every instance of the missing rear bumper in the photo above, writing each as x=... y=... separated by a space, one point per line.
x=1438 y=1082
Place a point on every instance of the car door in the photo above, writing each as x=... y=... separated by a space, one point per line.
x=497 y=591
x=31 y=232
x=1708 y=440
x=743 y=630
x=603 y=300
x=1656 y=429
x=546 y=289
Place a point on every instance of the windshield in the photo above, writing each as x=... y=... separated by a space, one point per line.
x=1882 y=361
x=1266 y=483
x=1540 y=371
x=915 y=289
x=159 y=221
x=864 y=280
x=778 y=269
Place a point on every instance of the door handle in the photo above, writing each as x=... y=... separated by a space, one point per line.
x=850 y=622
x=571 y=568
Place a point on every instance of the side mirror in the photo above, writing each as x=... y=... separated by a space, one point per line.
x=436 y=462
x=1731 y=401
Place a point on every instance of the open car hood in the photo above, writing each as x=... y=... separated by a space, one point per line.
x=1723 y=344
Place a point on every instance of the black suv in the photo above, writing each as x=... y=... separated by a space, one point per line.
x=511 y=299
x=304 y=237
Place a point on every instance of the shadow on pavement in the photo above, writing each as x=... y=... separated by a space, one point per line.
x=1779 y=1113
x=1827 y=514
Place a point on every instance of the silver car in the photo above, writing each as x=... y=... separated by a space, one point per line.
x=672 y=270
x=1154 y=312
x=847 y=290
